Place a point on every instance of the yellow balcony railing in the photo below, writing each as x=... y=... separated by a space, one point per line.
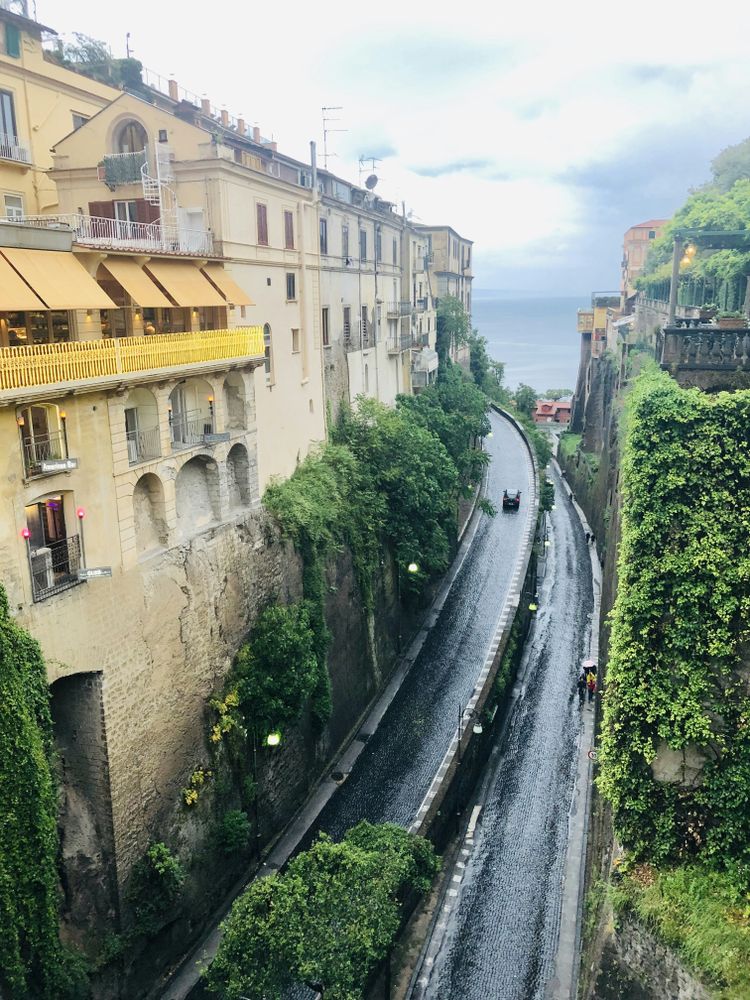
x=48 y=364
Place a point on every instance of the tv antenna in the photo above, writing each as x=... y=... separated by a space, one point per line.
x=326 y=131
x=368 y=163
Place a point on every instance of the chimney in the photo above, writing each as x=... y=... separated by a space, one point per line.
x=205 y=106
x=172 y=87
x=256 y=134
x=225 y=118
x=273 y=146
x=241 y=126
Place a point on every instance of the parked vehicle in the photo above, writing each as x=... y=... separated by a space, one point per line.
x=511 y=499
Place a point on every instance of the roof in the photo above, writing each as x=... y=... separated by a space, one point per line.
x=651 y=224
x=449 y=229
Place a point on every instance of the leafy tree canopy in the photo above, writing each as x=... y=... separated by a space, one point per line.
x=558 y=393
x=731 y=165
x=525 y=399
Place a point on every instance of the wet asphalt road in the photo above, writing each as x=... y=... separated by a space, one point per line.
x=394 y=771
x=499 y=938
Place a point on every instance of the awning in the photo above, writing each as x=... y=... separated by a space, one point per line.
x=142 y=289
x=58 y=279
x=15 y=294
x=184 y=283
x=227 y=285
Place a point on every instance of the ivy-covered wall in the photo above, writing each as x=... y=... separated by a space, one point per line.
x=675 y=747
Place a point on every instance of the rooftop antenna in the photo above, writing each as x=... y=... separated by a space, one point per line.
x=127 y=45
x=368 y=163
x=326 y=131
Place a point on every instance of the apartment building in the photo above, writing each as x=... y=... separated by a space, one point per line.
x=450 y=255
x=40 y=102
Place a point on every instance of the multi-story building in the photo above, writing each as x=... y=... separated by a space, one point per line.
x=40 y=102
x=419 y=288
x=450 y=255
x=635 y=247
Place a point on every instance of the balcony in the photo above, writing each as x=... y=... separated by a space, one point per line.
x=394 y=310
x=94 y=363
x=117 y=169
x=191 y=428
x=398 y=344
x=420 y=305
x=11 y=148
x=116 y=234
x=45 y=454
x=54 y=567
x=143 y=445
x=706 y=349
x=418 y=265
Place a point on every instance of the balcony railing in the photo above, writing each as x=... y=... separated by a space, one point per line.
x=55 y=567
x=117 y=234
x=143 y=445
x=707 y=348
x=421 y=305
x=418 y=264
x=394 y=310
x=190 y=428
x=93 y=360
x=398 y=344
x=11 y=148
x=122 y=168
x=43 y=449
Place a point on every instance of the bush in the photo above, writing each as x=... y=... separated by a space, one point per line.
x=154 y=889
x=234 y=832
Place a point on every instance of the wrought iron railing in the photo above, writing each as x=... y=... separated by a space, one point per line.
x=394 y=310
x=91 y=360
x=96 y=231
x=190 y=428
x=143 y=445
x=399 y=343
x=11 y=148
x=43 y=449
x=54 y=567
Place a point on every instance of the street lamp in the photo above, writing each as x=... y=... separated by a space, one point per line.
x=413 y=567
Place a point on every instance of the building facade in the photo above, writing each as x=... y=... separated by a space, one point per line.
x=451 y=258
x=636 y=244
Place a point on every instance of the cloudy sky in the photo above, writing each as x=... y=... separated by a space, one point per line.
x=539 y=130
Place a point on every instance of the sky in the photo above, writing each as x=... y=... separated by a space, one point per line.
x=541 y=131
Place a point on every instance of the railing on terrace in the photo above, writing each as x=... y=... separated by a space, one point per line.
x=707 y=348
x=398 y=344
x=55 y=567
x=43 y=449
x=396 y=309
x=116 y=234
x=421 y=305
x=11 y=148
x=90 y=360
x=190 y=428
x=143 y=445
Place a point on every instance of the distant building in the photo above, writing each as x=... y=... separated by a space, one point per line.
x=450 y=255
x=635 y=247
x=550 y=411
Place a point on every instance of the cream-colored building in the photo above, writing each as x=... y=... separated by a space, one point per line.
x=451 y=258
x=40 y=102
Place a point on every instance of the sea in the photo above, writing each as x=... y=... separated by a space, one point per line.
x=535 y=336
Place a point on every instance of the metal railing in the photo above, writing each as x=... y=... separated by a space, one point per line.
x=190 y=428
x=43 y=449
x=398 y=344
x=419 y=380
x=143 y=445
x=54 y=567
x=421 y=305
x=11 y=148
x=394 y=310
x=121 y=168
x=418 y=264
x=93 y=230
x=90 y=360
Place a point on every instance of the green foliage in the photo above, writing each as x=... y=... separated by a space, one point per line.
x=680 y=625
x=525 y=399
x=33 y=964
x=701 y=914
x=488 y=374
x=539 y=440
x=327 y=920
x=452 y=327
x=154 y=888
x=547 y=494
x=569 y=444
x=731 y=165
x=234 y=832
x=93 y=58
x=558 y=393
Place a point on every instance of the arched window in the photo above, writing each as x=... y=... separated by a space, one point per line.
x=142 y=426
x=130 y=137
x=191 y=412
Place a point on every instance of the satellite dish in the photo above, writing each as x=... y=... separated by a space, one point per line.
x=371 y=182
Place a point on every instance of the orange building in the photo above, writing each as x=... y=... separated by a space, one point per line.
x=635 y=246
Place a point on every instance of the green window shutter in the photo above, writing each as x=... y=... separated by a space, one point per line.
x=12 y=41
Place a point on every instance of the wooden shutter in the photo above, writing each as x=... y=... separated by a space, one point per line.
x=288 y=231
x=262 y=225
x=102 y=209
x=146 y=212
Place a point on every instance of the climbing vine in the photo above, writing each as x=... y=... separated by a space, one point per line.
x=675 y=751
x=33 y=963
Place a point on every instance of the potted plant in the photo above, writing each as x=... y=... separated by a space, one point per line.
x=731 y=319
x=707 y=312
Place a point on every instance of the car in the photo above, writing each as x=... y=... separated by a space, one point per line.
x=511 y=499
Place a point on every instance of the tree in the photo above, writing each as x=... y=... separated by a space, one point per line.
x=327 y=920
x=525 y=399
x=732 y=164
x=452 y=327
x=558 y=393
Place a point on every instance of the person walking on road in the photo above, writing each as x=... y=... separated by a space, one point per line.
x=581 y=685
x=588 y=537
x=591 y=684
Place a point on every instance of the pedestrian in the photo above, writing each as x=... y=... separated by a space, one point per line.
x=581 y=686
x=572 y=497
x=588 y=536
x=593 y=540
x=591 y=684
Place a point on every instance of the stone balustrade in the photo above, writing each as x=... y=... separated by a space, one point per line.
x=705 y=348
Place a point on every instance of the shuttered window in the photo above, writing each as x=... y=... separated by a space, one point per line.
x=262 y=215
x=12 y=41
x=324 y=325
x=345 y=241
x=289 y=230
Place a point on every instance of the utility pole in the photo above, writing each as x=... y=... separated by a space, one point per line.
x=326 y=131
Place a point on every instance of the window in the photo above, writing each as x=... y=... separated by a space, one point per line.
x=13 y=206
x=378 y=245
x=345 y=241
x=295 y=341
x=363 y=245
x=652 y=234
x=163 y=135
x=363 y=325
x=131 y=138
x=288 y=230
x=291 y=286
x=78 y=120
x=126 y=211
x=7 y=117
x=54 y=555
x=42 y=437
x=267 y=352
x=324 y=326
x=347 y=325
x=12 y=41
x=395 y=251
x=324 y=236
x=262 y=218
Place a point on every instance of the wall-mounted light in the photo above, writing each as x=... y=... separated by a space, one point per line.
x=137 y=312
x=63 y=415
x=80 y=513
x=25 y=533
x=89 y=313
x=20 y=420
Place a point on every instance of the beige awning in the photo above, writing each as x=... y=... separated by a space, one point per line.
x=184 y=283
x=142 y=289
x=227 y=285
x=58 y=279
x=15 y=294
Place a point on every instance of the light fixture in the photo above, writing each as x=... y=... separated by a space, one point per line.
x=80 y=513
x=25 y=533
x=413 y=567
x=20 y=420
x=273 y=739
x=546 y=543
x=63 y=415
x=477 y=728
x=533 y=606
x=89 y=313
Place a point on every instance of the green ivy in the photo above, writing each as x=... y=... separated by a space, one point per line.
x=676 y=676
x=154 y=890
x=33 y=963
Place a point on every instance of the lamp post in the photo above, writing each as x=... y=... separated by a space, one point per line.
x=80 y=514
x=412 y=568
x=272 y=739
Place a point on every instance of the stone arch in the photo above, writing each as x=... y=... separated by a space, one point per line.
x=238 y=476
x=191 y=412
x=235 y=402
x=149 y=516
x=197 y=495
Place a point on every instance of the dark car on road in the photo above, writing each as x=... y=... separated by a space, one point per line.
x=511 y=499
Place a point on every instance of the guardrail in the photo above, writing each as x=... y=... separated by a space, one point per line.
x=120 y=234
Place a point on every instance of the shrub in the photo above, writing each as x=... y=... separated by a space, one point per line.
x=234 y=831
x=154 y=889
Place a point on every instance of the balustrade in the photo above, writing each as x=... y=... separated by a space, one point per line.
x=706 y=347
